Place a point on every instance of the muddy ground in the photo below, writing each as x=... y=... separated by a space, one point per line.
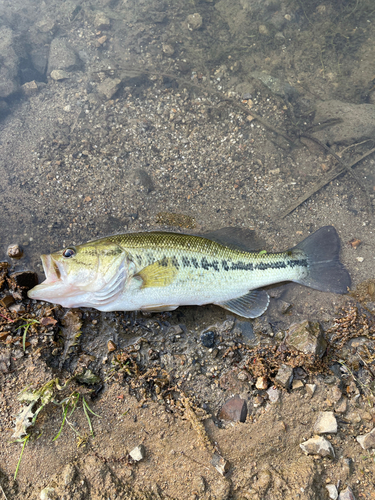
x=158 y=120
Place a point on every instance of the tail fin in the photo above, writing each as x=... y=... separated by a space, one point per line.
x=326 y=273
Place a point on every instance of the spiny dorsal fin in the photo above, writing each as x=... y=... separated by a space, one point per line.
x=158 y=274
x=237 y=238
x=251 y=305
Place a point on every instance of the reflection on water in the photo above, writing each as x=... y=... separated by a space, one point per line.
x=115 y=112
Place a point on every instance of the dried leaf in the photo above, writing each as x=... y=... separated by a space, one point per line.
x=48 y=321
x=23 y=421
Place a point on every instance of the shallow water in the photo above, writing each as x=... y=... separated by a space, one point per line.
x=139 y=126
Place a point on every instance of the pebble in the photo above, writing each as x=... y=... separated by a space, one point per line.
x=297 y=384
x=138 y=453
x=367 y=440
x=111 y=346
x=341 y=406
x=261 y=383
x=30 y=88
x=332 y=491
x=168 y=49
x=59 y=74
x=101 y=21
x=48 y=494
x=194 y=21
x=318 y=445
x=208 y=339
x=273 y=394
x=326 y=423
x=14 y=251
x=235 y=409
x=346 y=494
x=109 y=87
x=220 y=464
x=310 y=389
x=284 y=376
x=307 y=337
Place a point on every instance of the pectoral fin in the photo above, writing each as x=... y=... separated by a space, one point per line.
x=158 y=274
x=251 y=305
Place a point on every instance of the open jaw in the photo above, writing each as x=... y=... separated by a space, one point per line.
x=54 y=286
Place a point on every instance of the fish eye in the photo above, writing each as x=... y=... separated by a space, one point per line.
x=69 y=252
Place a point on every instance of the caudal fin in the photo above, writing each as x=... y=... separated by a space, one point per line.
x=326 y=273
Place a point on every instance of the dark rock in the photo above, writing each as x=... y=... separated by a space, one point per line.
x=262 y=327
x=208 y=339
x=284 y=376
x=245 y=328
x=7 y=301
x=235 y=409
x=307 y=337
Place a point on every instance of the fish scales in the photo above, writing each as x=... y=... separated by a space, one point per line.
x=157 y=271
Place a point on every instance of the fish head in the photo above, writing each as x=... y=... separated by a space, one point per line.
x=82 y=276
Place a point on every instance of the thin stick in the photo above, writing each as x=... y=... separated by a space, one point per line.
x=320 y=184
x=2 y=491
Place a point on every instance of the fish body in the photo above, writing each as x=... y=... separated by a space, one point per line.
x=159 y=271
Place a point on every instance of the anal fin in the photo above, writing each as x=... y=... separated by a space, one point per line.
x=251 y=305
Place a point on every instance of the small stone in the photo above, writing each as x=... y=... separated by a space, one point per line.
x=101 y=21
x=307 y=337
x=261 y=383
x=284 y=376
x=353 y=417
x=243 y=376
x=346 y=494
x=367 y=440
x=111 y=346
x=17 y=308
x=235 y=409
x=273 y=394
x=168 y=49
x=48 y=494
x=262 y=327
x=7 y=300
x=208 y=339
x=138 y=453
x=360 y=259
x=263 y=30
x=310 y=389
x=194 y=21
x=30 y=88
x=335 y=394
x=258 y=401
x=220 y=464
x=109 y=87
x=102 y=40
x=332 y=491
x=15 y=251
x=282 y=306
x=326 y=423
x=297 y=384
x=318 y=445
x=59 y=74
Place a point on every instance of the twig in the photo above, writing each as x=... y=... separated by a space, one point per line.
x=340 y=169
x=2 y=491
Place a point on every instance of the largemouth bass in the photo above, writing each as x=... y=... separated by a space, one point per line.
x=159 y=271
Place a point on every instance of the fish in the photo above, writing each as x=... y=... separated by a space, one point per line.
x=160 y=271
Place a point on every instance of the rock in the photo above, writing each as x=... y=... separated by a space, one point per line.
x=48 y=494
x=168 y=49
x=5 y=361
x=194 y=21
x=7 y=300
x=346 y=494
x=357 y=122
x=262 y=327
x=111 y=346
x=9 y=74
x=39 y=58
x=263 y=30
x=307 y=337
x=332 y=491
x=62 y=56
x=282 y=306
x=30 y=88
x=59 y=74
x=109 y=87
x=138 y=453
x=367 y=440
x=297 y=384
x=245 y=328
x=17 y=308
x=261 y=383
x=353 y=417
x=273 y=394
x=235 y=409
x=318 y=445
x=326 y=423
x=310 y=389
x=101 y=21
x=284 y=376
x=14 y=251
x=220 y=464
x=208 y=339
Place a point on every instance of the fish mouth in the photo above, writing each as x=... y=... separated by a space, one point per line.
x=53 y=285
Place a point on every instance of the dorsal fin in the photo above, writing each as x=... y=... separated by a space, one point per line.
x=236 y=237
